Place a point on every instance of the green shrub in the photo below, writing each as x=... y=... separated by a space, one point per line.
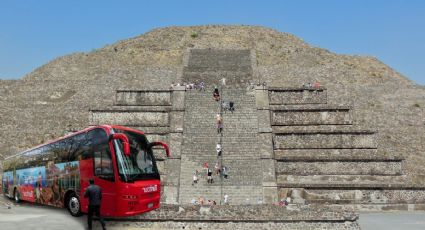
x=194 y=34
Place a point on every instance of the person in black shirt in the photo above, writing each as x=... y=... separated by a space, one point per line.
x=94 y=193
x=209 y=176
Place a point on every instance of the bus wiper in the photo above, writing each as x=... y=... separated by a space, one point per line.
x=126 y=178
x=131 y=179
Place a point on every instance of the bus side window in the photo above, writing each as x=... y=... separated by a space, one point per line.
x=80 y=148
x=60 y=151
x=103 y=165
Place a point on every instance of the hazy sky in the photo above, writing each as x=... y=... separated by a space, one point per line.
x=33 y=32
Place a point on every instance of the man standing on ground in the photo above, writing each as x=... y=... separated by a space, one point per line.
x=94 y=193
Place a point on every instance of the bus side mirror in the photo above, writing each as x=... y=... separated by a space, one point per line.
x=124 y=140
x=165 y=146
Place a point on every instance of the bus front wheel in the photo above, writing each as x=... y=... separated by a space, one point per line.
x=73 y=205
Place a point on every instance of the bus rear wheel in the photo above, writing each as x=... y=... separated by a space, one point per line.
x=73 y=205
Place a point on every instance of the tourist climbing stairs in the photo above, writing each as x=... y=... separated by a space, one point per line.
x=199 y=147
x=240 y=153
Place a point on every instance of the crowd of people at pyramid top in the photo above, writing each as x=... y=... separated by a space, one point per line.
x=190 y=86
x=202 y=201
x=315 y=86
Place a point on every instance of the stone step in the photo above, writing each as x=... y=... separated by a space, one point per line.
x=340 y=181
x=132 y=108
x=312 y=155
x=243 y=213
x=313 y=128
x=311 y=107
x=234 y=77
x=326 y=140
x=289 y=96
x=339 y=168
x=304 y=116
x=238 y=195
x=364 y=196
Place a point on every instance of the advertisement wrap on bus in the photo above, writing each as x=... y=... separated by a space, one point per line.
x=119 y=159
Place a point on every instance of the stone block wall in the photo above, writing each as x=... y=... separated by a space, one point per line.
x=243 y=217
x=211 y=65
x=146 y=98
x=289 y=96
x=157 y=113
x=322 y=140
x=130 y=118
x=339 y=168
x=316 y=116
x=367 y=196
x=323 y=157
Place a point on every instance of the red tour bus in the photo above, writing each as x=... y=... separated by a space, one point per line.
x=120 y=160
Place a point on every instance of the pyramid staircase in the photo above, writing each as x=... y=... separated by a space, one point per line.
x=239 y=149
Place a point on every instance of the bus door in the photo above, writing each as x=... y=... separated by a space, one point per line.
x=104 y=177
x=100 y=168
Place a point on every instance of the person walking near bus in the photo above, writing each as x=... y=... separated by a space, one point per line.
x=94 y=194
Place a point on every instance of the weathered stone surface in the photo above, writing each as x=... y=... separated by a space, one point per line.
x=178 y=98
x=324 y=140
x=175 y=144
x=170 y=194
x=339 y=168
x=269 y=170
x=270 y=194
x=243 y=217
x=130 y=118
x=369 y=196
x=288 y=96
x=264 y=121
x=176 y=121
x=255 y=213
x=211 y=65
x=173 y=169
x=238 y=225
x=323 y=155
x=265 y=143
x=341 y=181
x=133 y=97
x=262 y=98
x=311 y=117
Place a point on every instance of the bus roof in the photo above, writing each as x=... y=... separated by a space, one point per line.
x=73 y=134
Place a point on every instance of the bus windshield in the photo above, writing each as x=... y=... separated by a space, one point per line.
x=140 y=164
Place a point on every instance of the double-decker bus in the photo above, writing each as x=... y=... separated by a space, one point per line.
x=119 y=159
